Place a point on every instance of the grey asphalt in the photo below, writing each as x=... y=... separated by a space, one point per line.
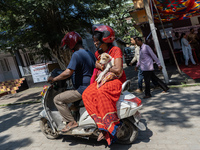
x=172 y=120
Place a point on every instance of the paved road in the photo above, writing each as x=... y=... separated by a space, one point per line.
x=172 y=119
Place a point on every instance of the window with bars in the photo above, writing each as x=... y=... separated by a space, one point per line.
x=5 y=65
x=29 y=59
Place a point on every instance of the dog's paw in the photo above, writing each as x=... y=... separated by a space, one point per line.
x=98 y=79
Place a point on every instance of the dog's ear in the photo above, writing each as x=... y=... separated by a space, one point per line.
x=107 y=55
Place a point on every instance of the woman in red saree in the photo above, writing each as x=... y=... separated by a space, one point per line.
x=100 y=102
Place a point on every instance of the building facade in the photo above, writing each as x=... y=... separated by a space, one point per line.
x=8 y=67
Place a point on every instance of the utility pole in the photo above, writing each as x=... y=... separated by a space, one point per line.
x=155 y=39
x=19 y=62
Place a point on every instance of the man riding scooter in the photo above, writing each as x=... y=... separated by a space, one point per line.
x=81 y=67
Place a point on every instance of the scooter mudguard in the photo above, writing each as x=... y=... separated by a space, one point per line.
x=140 y=126
x=134 y=120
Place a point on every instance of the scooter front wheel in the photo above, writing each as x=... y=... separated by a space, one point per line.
x=128 y=132
x=47 y=130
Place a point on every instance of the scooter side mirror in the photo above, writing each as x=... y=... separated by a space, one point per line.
x=126 y=85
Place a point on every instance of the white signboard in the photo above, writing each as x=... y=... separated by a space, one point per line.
x=186 y=30
x=39 y=72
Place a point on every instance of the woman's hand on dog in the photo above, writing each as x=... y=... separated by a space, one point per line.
x=99 y=66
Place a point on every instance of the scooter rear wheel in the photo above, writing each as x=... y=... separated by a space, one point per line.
x=128 y=133
x=47 y=130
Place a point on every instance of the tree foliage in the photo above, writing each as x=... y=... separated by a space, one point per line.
x=117 y=20
x=31 y=24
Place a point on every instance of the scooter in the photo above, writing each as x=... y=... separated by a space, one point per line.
x=127 y=110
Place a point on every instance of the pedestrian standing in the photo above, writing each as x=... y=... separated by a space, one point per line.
x=192 y=39
x=198 y=35
x=146 y=60
x=187 y=50
x=136 y=58
x=177 y=46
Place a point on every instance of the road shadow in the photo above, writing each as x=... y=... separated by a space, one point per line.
x=11 y=145
x=31 y=97
x=19 y=115
x=93 y=143
x=173 y=108
x=83 y=141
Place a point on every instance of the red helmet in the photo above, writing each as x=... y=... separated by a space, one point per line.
x=71 y=39
x=108 y=34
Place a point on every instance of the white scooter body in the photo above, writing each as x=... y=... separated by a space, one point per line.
x=127 y=108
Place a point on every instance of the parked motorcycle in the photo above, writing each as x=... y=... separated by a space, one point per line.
x=127 y=109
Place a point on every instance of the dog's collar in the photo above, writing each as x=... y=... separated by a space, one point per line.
x=110 y=60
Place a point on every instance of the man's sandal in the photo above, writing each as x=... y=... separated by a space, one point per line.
x=67 y=128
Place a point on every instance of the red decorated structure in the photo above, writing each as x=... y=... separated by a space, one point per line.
x=176 y=9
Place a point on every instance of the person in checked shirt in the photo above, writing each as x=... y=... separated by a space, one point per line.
x=146 y=60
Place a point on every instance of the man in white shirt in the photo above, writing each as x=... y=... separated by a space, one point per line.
x=136 y=58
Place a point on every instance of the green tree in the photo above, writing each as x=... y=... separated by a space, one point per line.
x=32 y=24
x=118 y=21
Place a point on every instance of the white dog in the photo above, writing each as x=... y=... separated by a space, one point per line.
x=108 y=61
